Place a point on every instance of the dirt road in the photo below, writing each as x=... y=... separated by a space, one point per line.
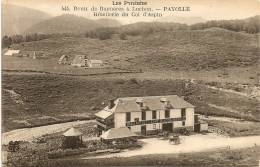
x=193 y=143
x=28 y=133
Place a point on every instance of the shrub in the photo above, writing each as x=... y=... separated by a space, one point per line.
x=105 y=35
x=121 y=81
x=133 y=80
x=123 y=36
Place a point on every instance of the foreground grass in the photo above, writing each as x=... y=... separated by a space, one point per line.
x=240 y=157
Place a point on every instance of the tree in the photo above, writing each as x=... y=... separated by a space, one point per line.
x=35 y=37
x=28 y=38
x=6 y=41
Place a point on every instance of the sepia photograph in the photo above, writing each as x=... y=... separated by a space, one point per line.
x=130 y=83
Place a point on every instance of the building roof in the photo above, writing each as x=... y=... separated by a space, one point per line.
x=72 y=132
x=128 y=104
x=78 y=59
x=117 y=133
x=62 y=57
x=96 y=61
x=103 y=114
x=11 y=52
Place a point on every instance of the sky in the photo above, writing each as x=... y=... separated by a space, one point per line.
x=207 y=9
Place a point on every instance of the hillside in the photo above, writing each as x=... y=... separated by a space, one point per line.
x=16 y=19
x=249 y=25
x=141 y=28
x=182 y=20
x=68 y=23
x=37 y=99
x=212 y=48
x=108 y=22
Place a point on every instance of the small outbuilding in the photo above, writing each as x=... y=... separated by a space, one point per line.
x=94 y=63
x=119 y=135
x=38 y=55
x=13 y=53
x=201 y=126
x=204 y=126
x=79 y=61
x=72 y=138
x=64 y=59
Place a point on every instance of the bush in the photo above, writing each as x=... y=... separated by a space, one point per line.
x=121 y=81
x=105 y=35
x=123 y=36
x=133 y=80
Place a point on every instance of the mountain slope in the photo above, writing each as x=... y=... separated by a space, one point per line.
x=182 y=20
x=16 y=19
x=68 y=23
x=108 y=22
x=249 y=25
x=212 y=48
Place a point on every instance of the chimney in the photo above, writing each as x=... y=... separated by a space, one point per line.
x=110 y=103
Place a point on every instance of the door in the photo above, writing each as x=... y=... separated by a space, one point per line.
x=167 y=127
x=143 y=129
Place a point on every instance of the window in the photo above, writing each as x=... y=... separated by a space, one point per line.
x=136 y=119
x=128 y=117
x=141 y=104
x=183 y=112
x=167 y=113
x=183 y=123
x=154 y=114
x=143 y=115
x=154 y=126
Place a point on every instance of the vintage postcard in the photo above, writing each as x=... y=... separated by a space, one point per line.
x=130 y=83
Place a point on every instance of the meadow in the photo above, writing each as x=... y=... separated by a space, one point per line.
x=212 y=48
x=51 y=66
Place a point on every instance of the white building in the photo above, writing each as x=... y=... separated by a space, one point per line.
x=64 y=59
x=147 y=115
x=12 y=53
x=94 y=63
x=79 y=61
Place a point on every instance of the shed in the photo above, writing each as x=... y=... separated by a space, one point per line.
x=72 y=138
x=38 y=55
x=94 y=63
x=118 y=134
x=79 y=61
x=12 y=52
x=203 y=126
x=64 y=59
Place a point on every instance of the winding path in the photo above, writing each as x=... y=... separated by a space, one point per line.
x=29 y=133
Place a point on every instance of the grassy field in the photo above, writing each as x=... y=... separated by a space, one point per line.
x=212 y=48
x=44 y=99
x=50 y=65
x=167 y=59
x=240 y=157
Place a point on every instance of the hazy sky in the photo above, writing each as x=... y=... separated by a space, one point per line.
x=207 y=9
